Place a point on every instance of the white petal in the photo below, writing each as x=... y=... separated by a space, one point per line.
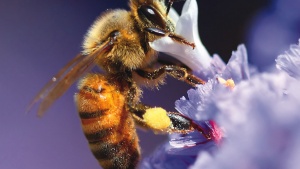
x=187 y=26
x=174 y=15
x=187 y=20
x=194 y=59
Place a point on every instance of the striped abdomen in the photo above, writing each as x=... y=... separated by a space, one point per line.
x=108 y=127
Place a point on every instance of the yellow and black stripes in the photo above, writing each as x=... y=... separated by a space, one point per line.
x=89 y=115
x=107 y=125
x=116 y=155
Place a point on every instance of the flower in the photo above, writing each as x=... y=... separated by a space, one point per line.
x=182 y=150
x=255 y=121
x=200 y=105
x=261 y=118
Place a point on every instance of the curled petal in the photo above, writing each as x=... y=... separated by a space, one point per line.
x=290 y=61
x=237 y=67
x=197 y=59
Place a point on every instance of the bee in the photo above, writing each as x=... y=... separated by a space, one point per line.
x=109 y=104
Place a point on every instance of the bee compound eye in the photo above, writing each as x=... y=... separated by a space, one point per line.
x=152 y=15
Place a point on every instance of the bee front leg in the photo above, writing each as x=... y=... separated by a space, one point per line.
x=175 y=37
x=177 y=72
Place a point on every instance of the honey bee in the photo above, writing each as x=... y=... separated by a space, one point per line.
x=109 y=104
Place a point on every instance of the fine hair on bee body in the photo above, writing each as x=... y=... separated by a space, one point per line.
x=109 y=104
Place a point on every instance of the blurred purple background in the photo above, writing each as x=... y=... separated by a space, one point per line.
x=37 y=38
x=272 y=31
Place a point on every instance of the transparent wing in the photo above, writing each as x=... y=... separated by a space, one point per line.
x=61 y=82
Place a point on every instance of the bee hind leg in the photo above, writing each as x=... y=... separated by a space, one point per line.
x=161 y=121
x=145 y=116
x=158 y=119
x=182 y=124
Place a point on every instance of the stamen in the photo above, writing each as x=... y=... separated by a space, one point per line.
x=229 y=82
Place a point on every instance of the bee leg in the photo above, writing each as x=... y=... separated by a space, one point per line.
x=177 y=72
x=137 y=108
x=148 y=117
x=161 y=32
x=182 y=124
x=158 y=119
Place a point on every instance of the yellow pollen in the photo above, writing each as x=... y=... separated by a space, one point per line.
x=157 y=118
x=229 y=82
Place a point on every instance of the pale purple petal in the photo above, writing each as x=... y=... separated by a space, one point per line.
x=217 y=66
x=290 y=61
x=199 y=105
x=262 y=122
x=166 y=157
x=237 y=67
x=161 y=159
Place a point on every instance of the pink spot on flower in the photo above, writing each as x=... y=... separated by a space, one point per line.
x=216 y=132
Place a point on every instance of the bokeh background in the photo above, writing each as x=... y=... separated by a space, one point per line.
x=37 y=38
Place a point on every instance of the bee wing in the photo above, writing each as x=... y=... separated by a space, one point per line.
x=70 y=73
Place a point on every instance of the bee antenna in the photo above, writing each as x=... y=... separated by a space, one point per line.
x=170 y=3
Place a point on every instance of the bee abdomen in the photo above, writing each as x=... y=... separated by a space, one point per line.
x=98 y=135
x=121 y=155
x=107 y=125
x=93 y=126
x=114 y=145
